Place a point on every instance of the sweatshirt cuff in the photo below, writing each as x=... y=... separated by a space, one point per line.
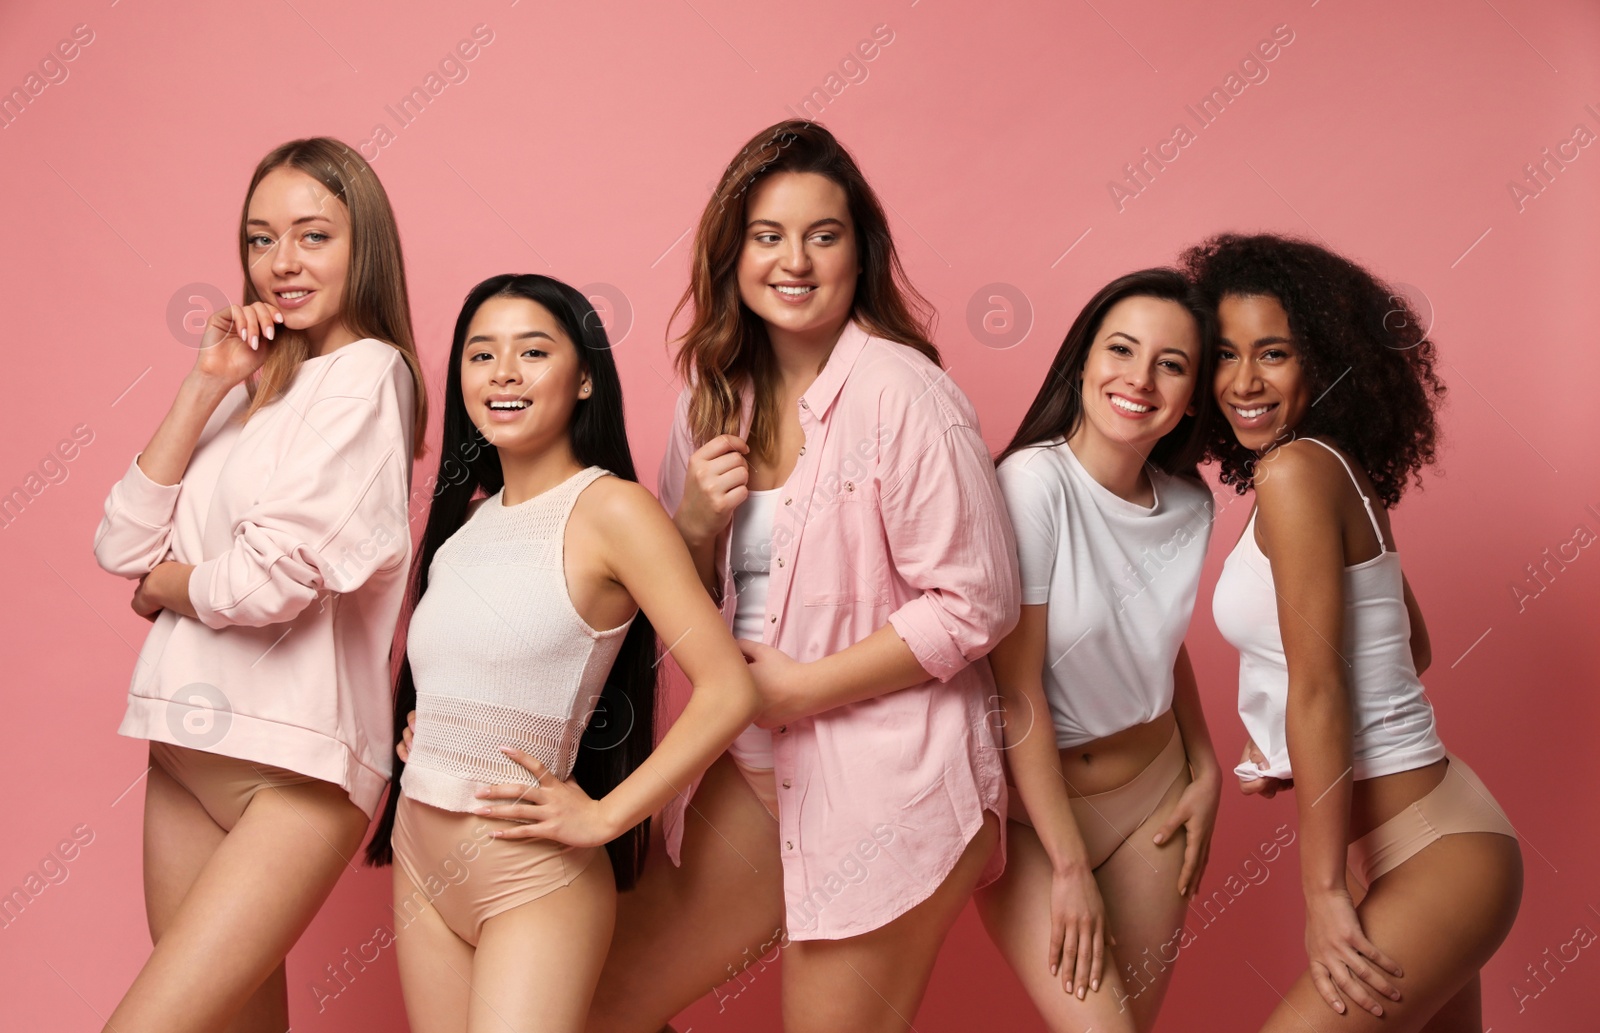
x=200 y=593
x=144 y=500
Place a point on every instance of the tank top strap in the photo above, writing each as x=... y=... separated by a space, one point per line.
x=1365 y=501
x=570 y=491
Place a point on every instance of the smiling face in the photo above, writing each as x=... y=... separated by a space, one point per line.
x=1261 y=386
x=520 y=375
x=299 y=253
x=1138 y=377
x=797 y=268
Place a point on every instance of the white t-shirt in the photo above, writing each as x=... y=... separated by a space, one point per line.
x=1120 y=580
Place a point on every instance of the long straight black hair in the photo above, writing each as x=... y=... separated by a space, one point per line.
x=1058 y=408
x=621 y=733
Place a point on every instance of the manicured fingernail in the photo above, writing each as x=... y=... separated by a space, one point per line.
x=277 y=317
x=1095 y=985
x=480 y=810
x=268 y=331
x=1338 y=1006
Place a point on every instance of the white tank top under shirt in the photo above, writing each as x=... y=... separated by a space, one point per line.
x=1391 y=718
x=751 y=562
x=499 y=655
x=1120 y=579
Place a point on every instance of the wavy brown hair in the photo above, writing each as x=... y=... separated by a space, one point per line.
x=726 y=346
x=1367 y=357
x=376 y=304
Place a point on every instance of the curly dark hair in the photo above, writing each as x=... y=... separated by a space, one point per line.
x=1352 y=330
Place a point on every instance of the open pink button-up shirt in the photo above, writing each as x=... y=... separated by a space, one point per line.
x=892 y=515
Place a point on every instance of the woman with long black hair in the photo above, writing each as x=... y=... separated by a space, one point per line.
x=535 y=608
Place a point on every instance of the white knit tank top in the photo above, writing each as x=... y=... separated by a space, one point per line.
x=499 y=655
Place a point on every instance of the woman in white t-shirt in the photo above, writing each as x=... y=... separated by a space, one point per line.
x=1114 y=783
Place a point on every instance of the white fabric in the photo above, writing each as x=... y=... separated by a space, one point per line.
x=1392 y=720
x=751 y=560
x=1120 y=580
x=499 y=654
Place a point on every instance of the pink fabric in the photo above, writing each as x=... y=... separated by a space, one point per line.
x=892 y=515
x=298 y=526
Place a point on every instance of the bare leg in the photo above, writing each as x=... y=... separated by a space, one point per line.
x=248 y=904
x=1139 y=884
x=536 y=965
x=1441 y=915
x=683 y=931
x=179 y=838
x=435 y=964
x=876 y=981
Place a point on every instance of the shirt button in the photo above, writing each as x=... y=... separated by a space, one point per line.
x=803 y=404
x=783 y=729
x=789 y=843
x=802 y=450
x=787 y=501
x=787 y=784
x=772 y=618
x=780 y=561
x=849 y=486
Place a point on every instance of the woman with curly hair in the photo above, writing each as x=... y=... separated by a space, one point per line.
x=1327 y=383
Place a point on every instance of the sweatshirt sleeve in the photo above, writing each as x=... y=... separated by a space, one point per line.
x=332 y=514
x=136 y=531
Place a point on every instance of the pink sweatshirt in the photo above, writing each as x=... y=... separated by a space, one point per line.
x=298 y=527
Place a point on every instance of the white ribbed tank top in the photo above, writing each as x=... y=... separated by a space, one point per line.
x=499 y=655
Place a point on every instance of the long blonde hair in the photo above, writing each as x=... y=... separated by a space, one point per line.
x=376 y=304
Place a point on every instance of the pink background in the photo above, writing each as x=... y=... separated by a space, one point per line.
x=583 y=142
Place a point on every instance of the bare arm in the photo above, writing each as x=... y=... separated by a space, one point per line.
x=644 y=554
x=1196 y=811
x=1077 y=912
x=1299 y=517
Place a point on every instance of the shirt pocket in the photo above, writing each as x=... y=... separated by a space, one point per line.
x=843 y=553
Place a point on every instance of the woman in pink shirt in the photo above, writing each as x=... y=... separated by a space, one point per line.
x=851 y=825
x=266 y=523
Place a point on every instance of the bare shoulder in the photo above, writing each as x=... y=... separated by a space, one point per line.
x=616 y=506
x=1297 y=475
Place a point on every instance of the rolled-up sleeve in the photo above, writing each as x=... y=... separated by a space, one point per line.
x=135 y=534
x=333 y=513
x=949 y=537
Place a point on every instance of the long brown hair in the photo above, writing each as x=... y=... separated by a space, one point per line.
x=375 y=301
x=726 y=346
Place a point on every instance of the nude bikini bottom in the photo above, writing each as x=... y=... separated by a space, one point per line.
x=1106 y=820
x=1460 y=803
